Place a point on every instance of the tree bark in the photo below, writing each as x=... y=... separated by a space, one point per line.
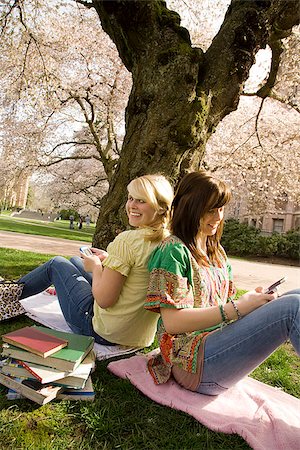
x=179 y=94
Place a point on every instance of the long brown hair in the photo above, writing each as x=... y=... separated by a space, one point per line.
x=196 y=194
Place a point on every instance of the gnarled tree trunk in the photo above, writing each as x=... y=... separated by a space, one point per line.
x=179 y=94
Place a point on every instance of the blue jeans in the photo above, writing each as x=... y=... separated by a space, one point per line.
x=77 y=262
x=233 y=352
x=74 y=292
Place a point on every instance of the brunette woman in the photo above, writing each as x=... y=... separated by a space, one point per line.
x=208 y=340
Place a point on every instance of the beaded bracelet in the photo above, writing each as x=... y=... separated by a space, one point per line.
x=223 y=314
x=239 y=315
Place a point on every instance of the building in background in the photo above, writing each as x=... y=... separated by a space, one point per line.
x=280 y=216
x=14 y=193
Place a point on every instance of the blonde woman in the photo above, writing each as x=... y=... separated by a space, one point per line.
x=102 y=295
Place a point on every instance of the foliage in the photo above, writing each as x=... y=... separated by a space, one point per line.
x=66 y=213
x=258 y=155
x=65 y=89
x=290 y=244
x=241 y=240
x=65 y=95
x=266 y=246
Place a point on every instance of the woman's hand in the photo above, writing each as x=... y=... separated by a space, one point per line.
x=102 y=254
x=90 y=262
x=252 y=300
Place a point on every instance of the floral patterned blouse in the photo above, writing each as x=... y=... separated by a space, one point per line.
x=177 y=281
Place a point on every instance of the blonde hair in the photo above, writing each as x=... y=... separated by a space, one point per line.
x=157 y=191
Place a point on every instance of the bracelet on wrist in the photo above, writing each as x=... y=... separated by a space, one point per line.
x=239 y=315
x=224 y=315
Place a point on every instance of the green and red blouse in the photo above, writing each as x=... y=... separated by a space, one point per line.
x=178 y=281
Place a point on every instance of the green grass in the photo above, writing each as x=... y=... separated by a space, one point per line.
x=5 y=212
x=15 y=263
x=120 y=417
x=282 y=370
x=59 y=229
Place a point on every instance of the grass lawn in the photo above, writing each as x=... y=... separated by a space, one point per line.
x=58 y=229
x=120 y=417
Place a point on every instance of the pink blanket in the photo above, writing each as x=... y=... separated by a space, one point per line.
x=265 y=417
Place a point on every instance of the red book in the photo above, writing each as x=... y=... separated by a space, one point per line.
x=35 y=341
x=27 y=367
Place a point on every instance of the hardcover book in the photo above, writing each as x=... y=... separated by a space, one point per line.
x=36 y=341
x=66 y=359
x=44 y=374
x=87 y=393
x=77 y=379
x=31 y=389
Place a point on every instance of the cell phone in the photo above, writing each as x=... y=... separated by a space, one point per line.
x=273 y=286
x=86 y=251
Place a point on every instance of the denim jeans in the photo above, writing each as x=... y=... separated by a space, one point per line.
x=74 y=292
x=237 y=349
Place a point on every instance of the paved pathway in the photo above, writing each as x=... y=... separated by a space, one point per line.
x=247 y=274
x=40 y=244
x=250 y=274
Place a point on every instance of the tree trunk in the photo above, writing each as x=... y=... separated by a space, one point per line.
x=179 y=94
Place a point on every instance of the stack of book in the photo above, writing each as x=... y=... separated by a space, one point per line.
x=43 y=364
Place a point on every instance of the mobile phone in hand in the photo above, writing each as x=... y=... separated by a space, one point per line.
x=86 y=251
x=273 y=286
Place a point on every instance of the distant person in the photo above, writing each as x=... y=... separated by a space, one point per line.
x=103 y=295
x=208 y=339
x=87 y=221
x=80 y=223
x=71 y=219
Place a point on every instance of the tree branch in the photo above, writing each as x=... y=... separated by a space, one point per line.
x=277 y=49
x=256 y=122
x=69 y=158
x=134 y=26
x=68 y=143
x=85 y=3
x=276 y=97
x=6 y=16
x=248 y=26
x=106 y=160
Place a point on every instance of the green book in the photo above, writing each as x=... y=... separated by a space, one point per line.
x=68 y=358
x=45 y=374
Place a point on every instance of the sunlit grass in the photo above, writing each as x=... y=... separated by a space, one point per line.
x=282 y=370
x=51 y=229
x=15 y=263
x=120 y=417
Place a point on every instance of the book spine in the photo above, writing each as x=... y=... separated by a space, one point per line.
x=60 y=364
x=29 y=369
x=32 y=394
x=24 y=390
